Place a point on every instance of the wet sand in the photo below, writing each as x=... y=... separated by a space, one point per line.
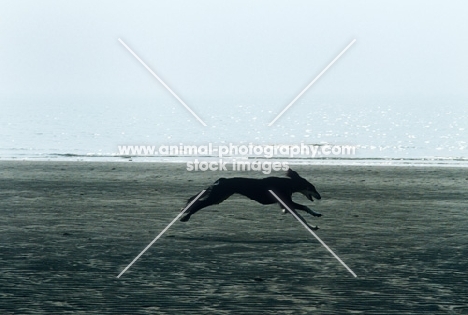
x=69 y=228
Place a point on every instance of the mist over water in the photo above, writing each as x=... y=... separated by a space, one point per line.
x=380 y=127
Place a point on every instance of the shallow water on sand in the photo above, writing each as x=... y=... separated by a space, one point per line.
x=380 y=127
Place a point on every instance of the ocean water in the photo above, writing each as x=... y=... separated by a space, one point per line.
x=390 y=129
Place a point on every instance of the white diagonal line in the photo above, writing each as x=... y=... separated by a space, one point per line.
x=162 y=82
x=313 y=81
x=162 y=232
x=312 y=232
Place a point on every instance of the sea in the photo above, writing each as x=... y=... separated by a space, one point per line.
x=384 y=130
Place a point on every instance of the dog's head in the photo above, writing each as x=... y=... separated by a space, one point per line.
x=303 y=186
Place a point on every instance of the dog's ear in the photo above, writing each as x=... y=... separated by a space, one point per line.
x=291 y=174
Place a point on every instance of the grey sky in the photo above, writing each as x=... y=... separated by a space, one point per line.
x=221 y=49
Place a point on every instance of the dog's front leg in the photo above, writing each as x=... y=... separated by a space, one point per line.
x=306 y=209
x=292 y=207
x=312 y=212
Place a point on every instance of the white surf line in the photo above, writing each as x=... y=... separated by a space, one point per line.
x=162 y=82
x=162 y=232
x=312 y=232
x=310 y=84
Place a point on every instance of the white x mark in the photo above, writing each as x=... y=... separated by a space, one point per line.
x=199 y=119
x=162 y=82
x=311 y=83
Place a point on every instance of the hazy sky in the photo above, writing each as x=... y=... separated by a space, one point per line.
x=226 y=48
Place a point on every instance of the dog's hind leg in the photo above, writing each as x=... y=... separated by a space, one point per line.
x=191 y=198
x=214 y=195
x=198 y=205
x=188 y=202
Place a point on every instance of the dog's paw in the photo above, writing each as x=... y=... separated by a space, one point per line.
x=312 y=212
x=284 y=211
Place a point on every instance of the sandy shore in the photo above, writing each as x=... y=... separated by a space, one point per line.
x=69 y=228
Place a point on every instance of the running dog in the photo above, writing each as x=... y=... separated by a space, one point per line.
x=258 y=190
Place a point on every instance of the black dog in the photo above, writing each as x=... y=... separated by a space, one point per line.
x=258 y=190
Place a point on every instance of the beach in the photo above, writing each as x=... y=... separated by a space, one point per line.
x=69 y=228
